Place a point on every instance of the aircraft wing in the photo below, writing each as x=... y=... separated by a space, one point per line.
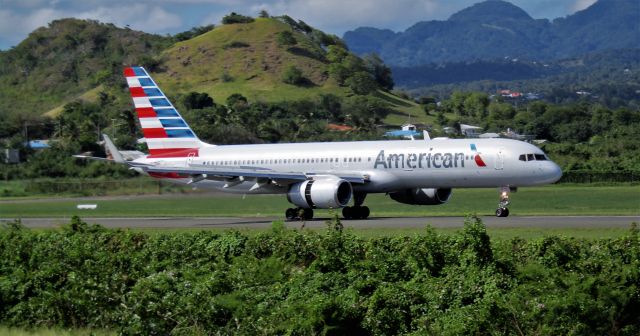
x=227 y=173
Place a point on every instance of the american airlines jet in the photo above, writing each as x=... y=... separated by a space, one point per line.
x=328 y=175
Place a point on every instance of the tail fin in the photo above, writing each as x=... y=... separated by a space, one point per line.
x=166 y=132
x=111 y=148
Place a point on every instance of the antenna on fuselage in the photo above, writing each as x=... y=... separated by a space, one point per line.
x=425 y=135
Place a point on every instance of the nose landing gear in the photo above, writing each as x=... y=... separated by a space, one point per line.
x=502 y=210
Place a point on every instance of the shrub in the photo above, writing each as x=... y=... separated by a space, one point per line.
x=236 y=18
x=293 y=76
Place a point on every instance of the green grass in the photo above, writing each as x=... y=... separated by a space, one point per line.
x=255 y=68
x=548 y=200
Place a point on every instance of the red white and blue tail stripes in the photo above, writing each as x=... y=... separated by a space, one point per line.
x=166 y=132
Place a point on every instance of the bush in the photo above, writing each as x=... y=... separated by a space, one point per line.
x=307 y=282
x=285 y=38
x=293 y=76
x=236 y=18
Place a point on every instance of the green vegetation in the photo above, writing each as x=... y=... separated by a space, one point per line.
x=64 y=60
x=306 y=282
x=236 y=18
x=550 y=200
x=582 y=136
x=52 y=332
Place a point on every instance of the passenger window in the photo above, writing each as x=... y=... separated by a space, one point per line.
x=522 y=157
x=540 y=157
x=530 y=157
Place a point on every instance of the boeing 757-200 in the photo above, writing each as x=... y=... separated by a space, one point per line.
x=328 y=175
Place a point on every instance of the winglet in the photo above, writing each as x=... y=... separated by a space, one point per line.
x=111 y=148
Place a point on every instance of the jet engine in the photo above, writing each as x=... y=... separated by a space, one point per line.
x=422 y=196
x=327 y=193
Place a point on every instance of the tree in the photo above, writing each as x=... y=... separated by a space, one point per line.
x=361 y=83
x=332 y=106
x=475 y=105
x=263 y=14
x=197 y=100
x=380 y=72
x=335 y=53
x=237 y=102
x=286 y=38
x=293 y=76
x=441 y=119
x=236 y=18
x=193 y=32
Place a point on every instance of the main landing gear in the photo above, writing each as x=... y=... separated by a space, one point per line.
x=357 y=211
x=299 y=214
x=502 y=210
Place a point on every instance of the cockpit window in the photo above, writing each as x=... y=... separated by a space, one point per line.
x=532 y=157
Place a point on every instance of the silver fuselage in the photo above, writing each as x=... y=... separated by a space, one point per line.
x=387 y=165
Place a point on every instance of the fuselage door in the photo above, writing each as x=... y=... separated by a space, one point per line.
x=499 y=163
x=190 y=158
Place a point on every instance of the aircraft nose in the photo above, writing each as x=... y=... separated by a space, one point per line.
x=552 y=172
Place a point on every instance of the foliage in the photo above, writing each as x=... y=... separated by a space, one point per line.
x=193 y=32
x=67 y=58
x=236 y=18
x=307 y=282
x=293 y=76
x=286 y=38
x=197 y=101
x=582 y=136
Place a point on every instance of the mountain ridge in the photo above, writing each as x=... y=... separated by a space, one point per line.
x=495 y=29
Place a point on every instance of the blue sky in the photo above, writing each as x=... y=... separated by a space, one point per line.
x=19 y=17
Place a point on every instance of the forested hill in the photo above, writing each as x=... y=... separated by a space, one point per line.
x=495 y=29
x=267 y=59
x=68 y=58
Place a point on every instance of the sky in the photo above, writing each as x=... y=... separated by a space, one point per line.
x=19 y=17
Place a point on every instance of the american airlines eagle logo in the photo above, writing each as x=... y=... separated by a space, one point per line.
x=476 y=156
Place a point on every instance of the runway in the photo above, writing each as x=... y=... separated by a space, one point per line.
x=372 y=223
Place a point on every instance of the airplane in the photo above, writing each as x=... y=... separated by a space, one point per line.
x=328 y=175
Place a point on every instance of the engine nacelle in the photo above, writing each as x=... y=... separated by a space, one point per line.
x=328 y=193
x=422 y=196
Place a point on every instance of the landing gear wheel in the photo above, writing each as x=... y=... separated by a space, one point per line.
x=355 y=212
x=364 y=212
x=290 y=214
x=347 y=212
x=502 y=212
x=307 y=214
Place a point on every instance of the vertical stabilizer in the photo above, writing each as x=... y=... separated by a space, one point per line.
x=166 y=132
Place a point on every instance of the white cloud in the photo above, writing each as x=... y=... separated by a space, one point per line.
x=339 y=15
x=138 y=16
x=579 y=5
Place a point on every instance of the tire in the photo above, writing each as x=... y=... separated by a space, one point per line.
x=365 y=212
x=499 y=212
x=290 y=214
x=506 y=212
x=308 y=214
x=347 y=212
